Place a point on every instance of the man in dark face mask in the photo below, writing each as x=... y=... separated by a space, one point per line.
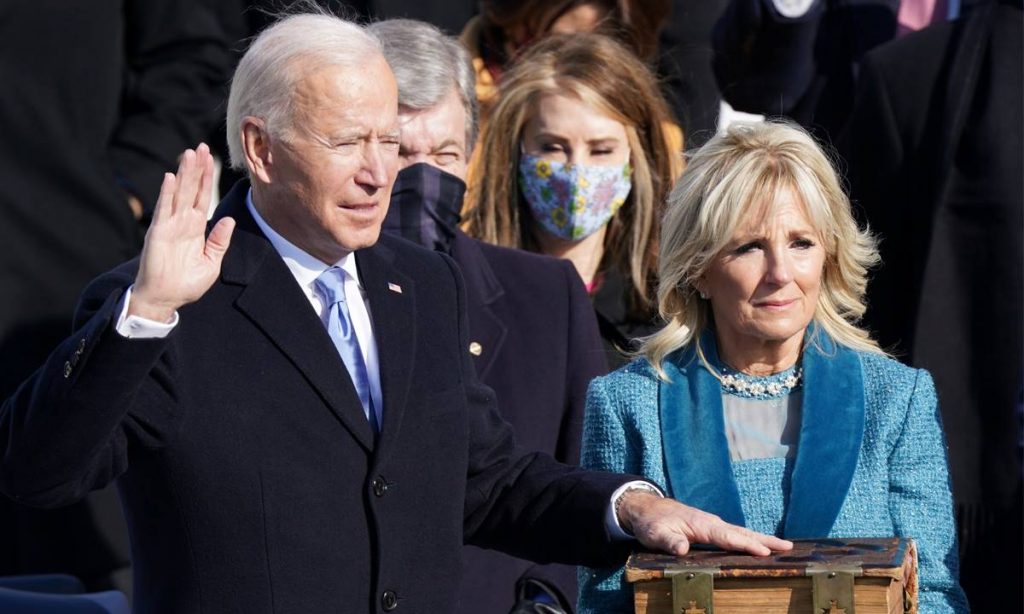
x=533 y=334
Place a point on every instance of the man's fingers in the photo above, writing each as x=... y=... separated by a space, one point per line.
x=219 y=239
x=732 y=537
x=204 y=193
x=165 y=201
x=671 y=526
x=729 y=538
x=680 y=547
x=769 y=541
x=664 y=536
x=773 y=542
x=188 y=181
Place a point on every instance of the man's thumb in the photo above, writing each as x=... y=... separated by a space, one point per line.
x=219 y=239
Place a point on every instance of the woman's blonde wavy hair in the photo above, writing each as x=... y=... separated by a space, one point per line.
x=734 y=175
x=606 y=75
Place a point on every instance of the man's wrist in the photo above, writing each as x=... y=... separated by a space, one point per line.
x=615 y=529
x=634 y=487
x=138 y=306
x=135 y=327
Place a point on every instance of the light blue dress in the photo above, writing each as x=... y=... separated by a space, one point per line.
x=871 y=459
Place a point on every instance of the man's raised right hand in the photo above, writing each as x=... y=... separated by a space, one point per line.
x=179 y=262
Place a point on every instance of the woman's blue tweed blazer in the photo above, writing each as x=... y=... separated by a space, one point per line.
x=871 y=460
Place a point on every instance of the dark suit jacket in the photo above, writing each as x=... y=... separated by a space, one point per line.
x=804 y=67
x=620 y=326
x=249 y=475
x=539 y=347
x=935 y=149
x=684 y=66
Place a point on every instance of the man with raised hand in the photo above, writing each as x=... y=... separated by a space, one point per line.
x=287 y=402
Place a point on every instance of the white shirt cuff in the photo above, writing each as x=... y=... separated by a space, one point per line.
x=792 y=8
x=611 y=521
x=135 y=327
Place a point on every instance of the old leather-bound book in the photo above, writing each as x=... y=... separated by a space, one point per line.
x=824 y=576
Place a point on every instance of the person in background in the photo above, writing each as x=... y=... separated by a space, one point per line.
x=944 y=191
x=574 y=164
x=684 y=67
x=506 y=28
x=761 y=397
x=99 y=100
x=533 y=335
x=800 y=58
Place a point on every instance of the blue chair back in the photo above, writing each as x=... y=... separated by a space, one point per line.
x=56 y=594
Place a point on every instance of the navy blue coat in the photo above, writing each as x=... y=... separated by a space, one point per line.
x=250 y=478
x=533 y=326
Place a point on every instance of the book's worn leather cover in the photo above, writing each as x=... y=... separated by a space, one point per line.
x=875 y=561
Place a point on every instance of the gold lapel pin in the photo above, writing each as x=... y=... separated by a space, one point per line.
x=475 y=348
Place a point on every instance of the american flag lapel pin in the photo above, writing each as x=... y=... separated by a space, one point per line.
x=394 y=287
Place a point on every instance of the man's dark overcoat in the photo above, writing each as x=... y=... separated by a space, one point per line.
x=249 y=475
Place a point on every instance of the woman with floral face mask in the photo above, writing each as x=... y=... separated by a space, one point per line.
x=575 y=163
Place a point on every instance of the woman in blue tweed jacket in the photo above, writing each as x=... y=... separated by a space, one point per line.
x=761 y=400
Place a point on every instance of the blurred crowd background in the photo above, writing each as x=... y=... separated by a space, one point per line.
x=920 y=103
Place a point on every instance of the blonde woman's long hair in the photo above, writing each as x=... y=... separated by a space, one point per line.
x=604 y=74
x=736 y=174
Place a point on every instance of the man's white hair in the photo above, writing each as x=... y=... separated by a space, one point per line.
x=281 y=56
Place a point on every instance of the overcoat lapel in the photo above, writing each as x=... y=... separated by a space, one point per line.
x=697 y=463
x=831 y=431
x=483 y=289
x=276 y=305
x=392 y=300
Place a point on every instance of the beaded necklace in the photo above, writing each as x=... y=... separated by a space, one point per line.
x=754 y=387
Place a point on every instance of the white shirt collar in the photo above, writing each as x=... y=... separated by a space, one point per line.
x=304 y=267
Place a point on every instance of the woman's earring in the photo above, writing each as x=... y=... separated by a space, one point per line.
x=703 y=294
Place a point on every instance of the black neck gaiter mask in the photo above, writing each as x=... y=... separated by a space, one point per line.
x=425 y=205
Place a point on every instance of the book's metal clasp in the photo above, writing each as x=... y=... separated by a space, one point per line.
x=693 y=591
x=832 y=588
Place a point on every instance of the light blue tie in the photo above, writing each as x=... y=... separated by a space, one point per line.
x=331 y=286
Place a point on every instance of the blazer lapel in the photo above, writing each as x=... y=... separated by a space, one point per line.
x=697 y=463
x=392 y=300
x=831 y=431
x=483 y=289
x=276 y=305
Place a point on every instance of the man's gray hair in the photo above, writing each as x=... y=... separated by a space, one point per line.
x=280 y=57
x=427 y=63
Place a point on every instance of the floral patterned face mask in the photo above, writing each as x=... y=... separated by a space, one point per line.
x=573 y=201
